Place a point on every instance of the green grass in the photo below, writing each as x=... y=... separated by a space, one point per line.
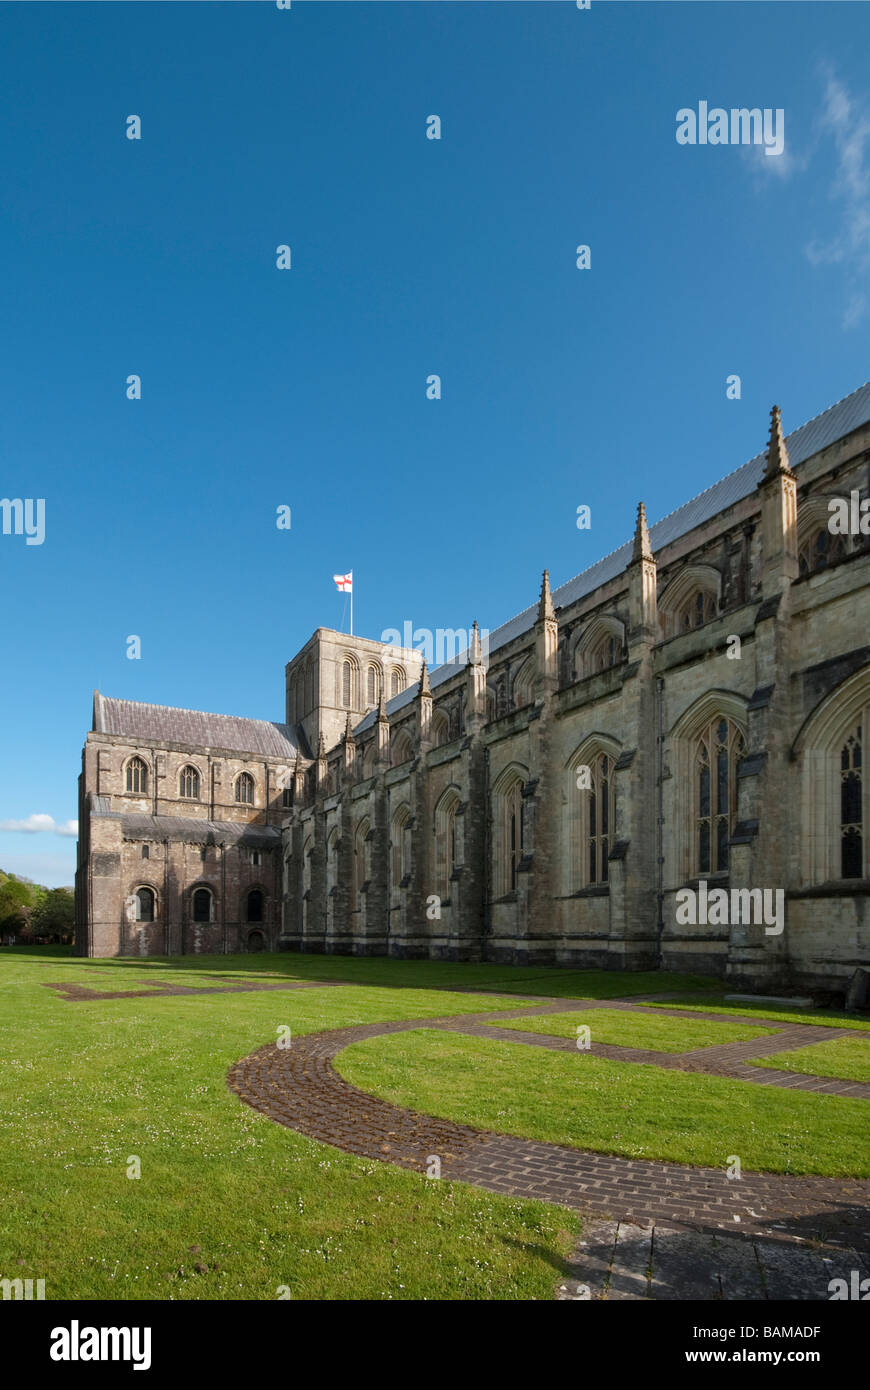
x=714 y=1003
x=847 y=1059
x=612 y=1107
x=635 y=1030
x=229 y=1204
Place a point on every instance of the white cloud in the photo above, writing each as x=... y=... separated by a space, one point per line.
x=39 y=824
x=845 y=121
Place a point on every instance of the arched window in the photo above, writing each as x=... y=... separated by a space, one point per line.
x=202 y=905
x=346 y=684
x=397 y=681
x=360 y=859
x=590 y=804
x=445 y=841
x=137 y=777
x=255 y=906
x=820 y=548
x=188 y=782
x=524 y=684
x=145 y=905
x=401 y=748
x=853 y=855
x=698 y=609
x=245 y=789
x=440 y=728
x=717 y=751
x=508 y=826
x=399 y=837
x=373 y=685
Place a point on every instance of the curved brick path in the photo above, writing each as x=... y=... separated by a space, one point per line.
x=299 y=1088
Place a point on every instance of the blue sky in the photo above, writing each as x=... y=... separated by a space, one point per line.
x=410 y=256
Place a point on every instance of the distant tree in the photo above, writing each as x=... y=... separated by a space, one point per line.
x=16 y=906
x=53 y=914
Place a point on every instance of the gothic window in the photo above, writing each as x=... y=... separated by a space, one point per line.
x=137 y=777
x=509 y=835
x=188 y=783
x=852 y=805
x=717 y=751
x=401 y=859
x=360 y=859
x=255 y=906
x=397 y=681
x=440 y=728
x=524 y=684
x=373 y=686
x=605 y=654
x=698 y=609
x=145 y=904
x=600 y=817
x=402 y=748
x=346 y=684
x=445 y=842
x=821 y=548
x=245 y=789
x=202 y=905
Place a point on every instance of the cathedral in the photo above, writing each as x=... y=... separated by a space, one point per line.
x=681 y=723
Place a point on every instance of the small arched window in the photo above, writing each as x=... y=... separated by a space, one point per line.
x=440 y=728
x=245 y=789
x=255 y=905
x=137 y=777
x=397 y=681
x=820 y=549
x=145 y=905
x=373 y=685
x=202 y=901
x=346 y=684
x=700 y=608
x=188 y=783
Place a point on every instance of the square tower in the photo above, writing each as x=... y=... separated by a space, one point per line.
x=335 y=675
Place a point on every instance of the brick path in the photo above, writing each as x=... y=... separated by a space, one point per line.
x=299 y=1088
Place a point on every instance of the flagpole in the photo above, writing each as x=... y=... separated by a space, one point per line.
x=351 y=608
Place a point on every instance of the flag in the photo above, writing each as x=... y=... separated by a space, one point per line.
x=344 y=583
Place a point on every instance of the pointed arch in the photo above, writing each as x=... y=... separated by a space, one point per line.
x=507 y=824
x=599 y=646
x=401 y=748
x=440 y=728
x=400 y=846
x=446 y=840
x=361 y=858
x=709 y=739
x=690 y=599
x=524 y=684
x=589 y=813
x=831 y=749
x=136 y=776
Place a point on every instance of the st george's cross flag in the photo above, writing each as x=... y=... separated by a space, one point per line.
x=344 y=583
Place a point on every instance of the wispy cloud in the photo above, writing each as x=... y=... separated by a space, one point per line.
x=38 y=824
x=845 y=121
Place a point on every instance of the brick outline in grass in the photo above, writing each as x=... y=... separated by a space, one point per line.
x=299 y=1088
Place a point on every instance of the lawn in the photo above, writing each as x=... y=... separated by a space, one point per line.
x=230 y=1205
x=625 y=1029
x=714 y=1003
x=612 y=1107
x=848 y=1059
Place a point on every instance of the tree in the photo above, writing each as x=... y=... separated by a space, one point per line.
x=16 y=904
x=54 y=914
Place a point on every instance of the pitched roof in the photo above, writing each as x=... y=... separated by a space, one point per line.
x=164 y=724
x=138 y=825
x=834 y=423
